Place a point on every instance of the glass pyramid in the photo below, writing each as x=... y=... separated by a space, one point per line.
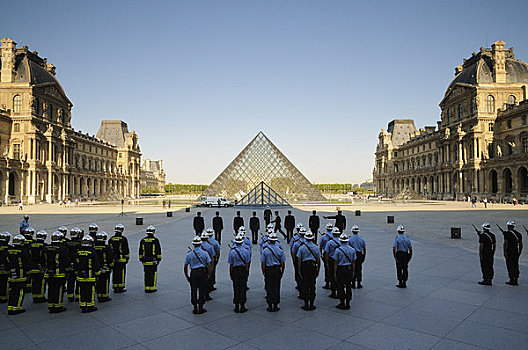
x=262 y=195
x=261 y=161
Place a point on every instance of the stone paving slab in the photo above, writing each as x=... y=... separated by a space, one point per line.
x=443 y=307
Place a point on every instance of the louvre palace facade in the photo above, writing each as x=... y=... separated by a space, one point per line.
x=42 y=158
x=479 y=148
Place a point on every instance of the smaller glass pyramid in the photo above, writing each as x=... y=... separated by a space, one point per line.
x=262 y=194
x=261 y=161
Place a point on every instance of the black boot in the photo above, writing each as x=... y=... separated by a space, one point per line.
x=276 y=308
x=347 y=304
x=243 y=308
x=326 y=286
x=311 y=305
x=359 y=285
x=201 y=309
x=195 y=310
x=270 y=308
x=353 y=284
x=341 y=305
x=237 y=308
x=305 y=306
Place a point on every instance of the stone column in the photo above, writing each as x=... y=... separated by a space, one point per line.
x=6 y=199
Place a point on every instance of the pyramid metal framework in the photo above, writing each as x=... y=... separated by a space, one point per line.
x=262 y=195
x=261 y=161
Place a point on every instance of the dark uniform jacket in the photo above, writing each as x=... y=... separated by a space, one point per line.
x=198 y=223
x=87 y=264
x=314 y=223
x=487 y=239
x=267 y=215
x=36 y=256
x=105 y=255
x=289 y=222
x=72 y=246
x=277 y=222
x=340 y=221
x=514 y=238
x=56 y=260
x=218 y=223
x=17 y=262
x=120 y=249
x=150 y=251
x=4 y=268
x=238 y=221
x=254 y=223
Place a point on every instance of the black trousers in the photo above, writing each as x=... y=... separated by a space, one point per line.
x=358 y=266
x=3 y=287
x=16 y=295
x=282 y=233
x=150 y=273
x=118 y=277
x=56 y=292
x=198 y=286
x=239 y=278
x=272 y=280
x=27 y=288
x=309 y=276
x=402 y=264
x=289 y=234
x=72 y=286
x=218 y=236
x=297 y=275
x=87 y=294
x=512 y=264
x=486 y=265
x=344 y=282
x=254 y=236
x=314 y=231
x=38 y=285
x=213 y=274
x=102 y=286
x=333 y=281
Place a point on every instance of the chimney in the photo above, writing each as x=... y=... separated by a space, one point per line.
x=499 y=61
x=8 y=60
x=50 y=68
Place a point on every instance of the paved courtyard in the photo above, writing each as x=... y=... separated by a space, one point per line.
x=443 y=307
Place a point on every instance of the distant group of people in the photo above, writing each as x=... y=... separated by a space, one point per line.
x=78 y=265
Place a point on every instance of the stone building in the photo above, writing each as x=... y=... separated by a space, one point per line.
x=479 y=148
x=152 y=175
x=42 y=158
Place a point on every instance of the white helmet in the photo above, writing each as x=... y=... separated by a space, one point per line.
x=343 y=237
x=335 y=231
x=302 y=231
x=309 y=235
x=204 y=235
x=197 y=240
x=401 y=229
x=329 y=226
x=355 y=229
x=299 y=225
x=272 y=236
x=86 y=241
x=269 y=231
x=210 y=232
x=239 y=239
x=486 y=225
x=242 y=230
x=510 y=223
x=270 y=226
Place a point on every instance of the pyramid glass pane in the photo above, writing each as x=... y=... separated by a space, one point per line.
x=261 y=161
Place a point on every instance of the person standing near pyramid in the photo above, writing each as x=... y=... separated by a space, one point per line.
x=289 y=225
x=278 y=227
x=267 y=215
x=238 y=222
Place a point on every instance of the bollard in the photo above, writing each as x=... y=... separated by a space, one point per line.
x=169 y=214
x=390 y=219
x=358 y=212
x=139 y=221
x=187 y=210
x=456 y=232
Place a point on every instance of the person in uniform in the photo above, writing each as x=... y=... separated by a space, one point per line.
x=218 y=226
x=254 y=226
x=344 y=258
x=309 y=262
x=329 y=249
x=106 y=257
x=267 y=215
x=272 y=265
x=238 y=222
x=28 y=234
x=402 y=252
x=24 y=224
x=73 y=245
x=239 y=260
x=64 y=232
x=278 y=227
x=121 y=253
x=487 y=245
x=314 y=223
x=198 y=223
x=322 y=244
x=358 y=243
x=217 y=249
x=340 y=221
x=92 y=230
x=5 y=237
x=87 y=267
x=293 y=253
x=289 y=225
x=17 y=262
x=209 y=249
x=150 y=257
x=56 y=263
x=200 y=264
x=36 y=256
x=512 y=248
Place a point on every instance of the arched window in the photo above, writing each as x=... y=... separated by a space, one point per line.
x=490 y=104
x=523 y=120
x=511 y=100
x=16 y=127
x=459 y=111
x=50 y=111
x=509 y=124
x=17 y=104
x=473 y=105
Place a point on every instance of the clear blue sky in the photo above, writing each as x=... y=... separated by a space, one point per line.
x=198 y=79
